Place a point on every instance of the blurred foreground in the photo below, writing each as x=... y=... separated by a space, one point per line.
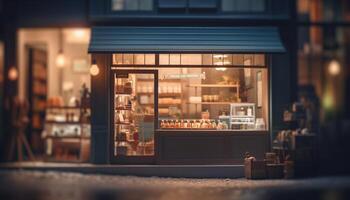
x=56 y=185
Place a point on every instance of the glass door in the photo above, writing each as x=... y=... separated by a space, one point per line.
x=135 y=114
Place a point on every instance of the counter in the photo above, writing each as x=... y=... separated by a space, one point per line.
x=208 y=146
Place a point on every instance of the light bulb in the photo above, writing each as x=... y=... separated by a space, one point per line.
x=13 y=74
x=221 y=68
x=94 y=70
x=60 y=60
x=334 y=68
x=79 y=33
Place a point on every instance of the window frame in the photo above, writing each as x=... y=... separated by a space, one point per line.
x=156 y=63
x=265 y=11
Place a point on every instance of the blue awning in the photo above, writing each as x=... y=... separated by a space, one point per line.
x=185 y=40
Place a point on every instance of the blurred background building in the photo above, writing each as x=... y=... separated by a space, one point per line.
x=323 y=70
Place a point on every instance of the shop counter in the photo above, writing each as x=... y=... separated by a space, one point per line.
x=175 y=146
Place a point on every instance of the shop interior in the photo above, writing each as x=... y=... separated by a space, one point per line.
x=196 y=92
x=55 y=81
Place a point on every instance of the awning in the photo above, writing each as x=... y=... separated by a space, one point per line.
x=185 y=40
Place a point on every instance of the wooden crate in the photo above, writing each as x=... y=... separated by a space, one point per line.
x=254 y=169
x=275 y=171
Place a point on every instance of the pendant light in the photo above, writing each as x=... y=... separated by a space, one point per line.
x=334 y=67
x=13 y=73
x=60 y=59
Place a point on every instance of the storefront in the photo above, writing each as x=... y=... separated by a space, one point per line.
x=183 y=95
x=53 y=68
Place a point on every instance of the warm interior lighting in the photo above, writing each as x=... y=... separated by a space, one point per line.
x=220 y=68
x=13 y=73
x=60 y=60
x=94 y=70
x=220 y=56
x=79 y=33
x=334 y=68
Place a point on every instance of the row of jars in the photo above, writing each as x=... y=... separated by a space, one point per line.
x=194 y=124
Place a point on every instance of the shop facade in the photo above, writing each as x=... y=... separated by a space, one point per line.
x=172 y=82
x=184 y=95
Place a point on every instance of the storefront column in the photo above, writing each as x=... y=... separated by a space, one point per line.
x=100 y=87
x=280 y=90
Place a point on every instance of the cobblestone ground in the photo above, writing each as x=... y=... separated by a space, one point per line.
x=57 y=185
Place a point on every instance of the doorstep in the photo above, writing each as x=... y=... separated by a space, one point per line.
x=175 y=171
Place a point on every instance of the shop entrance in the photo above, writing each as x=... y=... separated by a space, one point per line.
x=135 y=116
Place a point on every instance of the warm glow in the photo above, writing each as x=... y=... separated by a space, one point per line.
x=79 y=33
x=60 y=60
x=94 y=70
x=334 y=68
x=221 y=68
x=13 y=74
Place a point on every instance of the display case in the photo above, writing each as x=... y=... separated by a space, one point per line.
x=67 y=134
x=242 y=116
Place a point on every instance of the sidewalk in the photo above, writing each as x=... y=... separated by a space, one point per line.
x=180 y=171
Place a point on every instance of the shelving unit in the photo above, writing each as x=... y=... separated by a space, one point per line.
x=174 y=95
x=132 y=118
x=68 y=146
x=37 y=90
x=208 y=103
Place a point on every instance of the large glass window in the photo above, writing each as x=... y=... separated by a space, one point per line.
x=323 y=10
x=205 y=91
x=132 y=5
x=191 y=59
x=243 y=5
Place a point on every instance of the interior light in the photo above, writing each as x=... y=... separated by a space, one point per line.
x=220 y=56
x=220 y=68
x=79 y=33
x=60 y=60
x=13 y=73
x=94 y=70
x=334 y=68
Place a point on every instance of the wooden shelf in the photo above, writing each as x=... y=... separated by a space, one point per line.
x=64 y=107
x=66 y=137
x=123 y=109
x=125 y=123
x=214 y=85
x=160 y=80
x=213 y=103
x=161 y=94
x=124 y=94
x=73 y=123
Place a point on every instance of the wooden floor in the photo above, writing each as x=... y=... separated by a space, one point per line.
x=176 y=171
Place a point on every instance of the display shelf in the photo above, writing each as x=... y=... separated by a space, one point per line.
x=126 y=109
x=124 y=123
x=65 y=122
x=214 y=85
x=243 y=112
x=123 y=94
x=67 y=137
x=160 y=80
x=212 y=103
x=64 y=107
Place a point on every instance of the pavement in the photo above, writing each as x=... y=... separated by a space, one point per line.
x=23 y=184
